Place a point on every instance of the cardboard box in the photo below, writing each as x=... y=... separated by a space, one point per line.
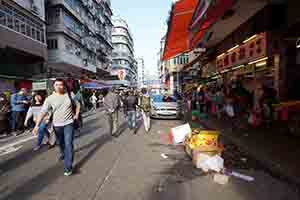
x=205 y=139
x=221 y=179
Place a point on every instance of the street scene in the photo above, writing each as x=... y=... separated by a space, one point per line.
x=156 y=100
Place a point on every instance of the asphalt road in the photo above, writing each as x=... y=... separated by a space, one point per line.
x=127 y=167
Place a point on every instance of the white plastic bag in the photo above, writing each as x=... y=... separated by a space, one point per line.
x=180 y=132
x=201 y=162
x=215 y=163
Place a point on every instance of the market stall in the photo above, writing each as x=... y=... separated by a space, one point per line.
x=289 y=114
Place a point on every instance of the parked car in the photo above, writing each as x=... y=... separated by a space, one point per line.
x=165 y=107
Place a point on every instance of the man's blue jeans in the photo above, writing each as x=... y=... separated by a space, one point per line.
x=131 y=119
x=41 y=133
x=65 y=135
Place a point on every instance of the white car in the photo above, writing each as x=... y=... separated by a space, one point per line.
x=165 y=107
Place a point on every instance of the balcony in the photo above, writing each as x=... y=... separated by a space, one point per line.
x=18 y=34
x=25 y=26
x=64 y=59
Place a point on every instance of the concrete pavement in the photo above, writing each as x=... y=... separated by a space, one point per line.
x=127 y=167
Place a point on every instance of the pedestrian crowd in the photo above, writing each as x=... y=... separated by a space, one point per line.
x=132 y=103
x=233 y=101
x=59 y=115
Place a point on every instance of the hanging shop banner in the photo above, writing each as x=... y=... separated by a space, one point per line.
x=122 y=74
x=250 y=50
x=40 y=85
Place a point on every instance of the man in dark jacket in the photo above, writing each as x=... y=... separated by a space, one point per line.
x=111 y=105
x=130 y=104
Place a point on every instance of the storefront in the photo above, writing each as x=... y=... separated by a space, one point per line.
x=248 y=62
x=9 y=85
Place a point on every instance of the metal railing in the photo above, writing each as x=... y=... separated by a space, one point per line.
x=18 y=24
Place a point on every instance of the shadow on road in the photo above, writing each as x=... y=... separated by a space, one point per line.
x=30 y=155
x=98 y=143
x=41 y=181
x=172 y=179
x=20 y=159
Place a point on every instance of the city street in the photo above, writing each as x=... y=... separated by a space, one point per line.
x=127 y=167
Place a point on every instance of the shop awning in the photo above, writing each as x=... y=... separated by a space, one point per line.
x=94 y=86
x=178 y=28
x=205 y=16
x=226 y=16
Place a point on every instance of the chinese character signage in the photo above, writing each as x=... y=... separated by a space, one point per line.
x=251 y=50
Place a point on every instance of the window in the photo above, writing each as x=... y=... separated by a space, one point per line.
x=53 y=16
x=69 y=2
x=71 y=24
x=74 y=4
x=52 y=44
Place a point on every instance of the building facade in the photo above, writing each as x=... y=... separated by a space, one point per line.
x=141 y=72
x=23 y=49
x=123 y=59
x=79 y=38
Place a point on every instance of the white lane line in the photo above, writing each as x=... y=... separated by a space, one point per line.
x=2 y=148
x=10 y=150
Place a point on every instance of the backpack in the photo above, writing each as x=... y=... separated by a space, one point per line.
x=145 y=103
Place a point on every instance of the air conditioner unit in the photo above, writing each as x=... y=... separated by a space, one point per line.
x=78 y=52
x=85 y=61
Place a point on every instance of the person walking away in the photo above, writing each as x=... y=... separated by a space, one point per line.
x=64 y=111
x=111 y=106
x=122 y=101
x=19 y=104
x=34 y=111
x=79 y=98
x=100 y=100
x=201 y=99
x=130 y=104
x=93 y=101
x=194 y=99
x=219 y=102
x=208 y=99
x=145 y=105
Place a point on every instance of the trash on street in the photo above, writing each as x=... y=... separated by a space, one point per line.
x=179 y=133
x=239 y=175
x=221 y=179
x=164 y=156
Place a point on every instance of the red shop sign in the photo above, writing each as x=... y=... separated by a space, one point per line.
x=251 y=50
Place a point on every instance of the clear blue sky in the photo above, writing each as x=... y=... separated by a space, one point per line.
x=147 y=21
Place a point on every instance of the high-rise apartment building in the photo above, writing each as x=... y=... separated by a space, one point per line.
x=141 y=72
x=123 y=59
x=23 y=49
x=79 y=37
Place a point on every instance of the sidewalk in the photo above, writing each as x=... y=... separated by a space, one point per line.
x=277 y=152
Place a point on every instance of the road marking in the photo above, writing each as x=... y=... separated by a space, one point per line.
x=10 y=150
x=103 y=182
x=17 y=143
